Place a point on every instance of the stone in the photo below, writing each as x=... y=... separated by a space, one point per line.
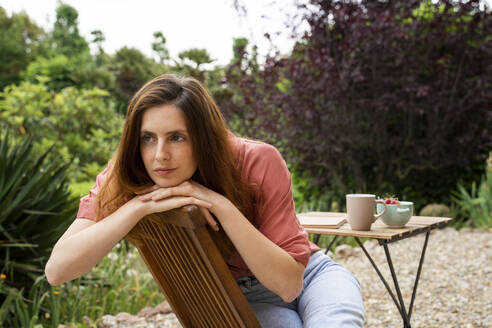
x=148 y=312
x=343 y=251
x=164 y=308
x=107 y=321
x=370 y=243
x=123 y=316
x=358 y=251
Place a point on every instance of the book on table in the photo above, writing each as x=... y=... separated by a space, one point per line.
x=321 y=220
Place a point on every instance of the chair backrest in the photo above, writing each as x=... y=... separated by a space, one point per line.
x=186 y=258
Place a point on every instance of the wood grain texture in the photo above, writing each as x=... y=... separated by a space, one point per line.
x=378 y=229
x=186 y=259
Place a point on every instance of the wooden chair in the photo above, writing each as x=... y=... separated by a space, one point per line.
x=187 y=260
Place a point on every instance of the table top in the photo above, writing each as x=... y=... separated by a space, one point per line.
x=379 y=230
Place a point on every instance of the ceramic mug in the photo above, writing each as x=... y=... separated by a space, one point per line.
x=396 y=216
x=360 y=210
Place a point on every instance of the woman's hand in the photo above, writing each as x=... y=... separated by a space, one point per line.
x=188 y=192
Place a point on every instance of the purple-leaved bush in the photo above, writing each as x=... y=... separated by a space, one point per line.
x=377 y=96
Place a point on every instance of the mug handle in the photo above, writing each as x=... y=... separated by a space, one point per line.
x=380 y=201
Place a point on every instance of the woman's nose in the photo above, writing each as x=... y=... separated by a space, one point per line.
x=162 y=153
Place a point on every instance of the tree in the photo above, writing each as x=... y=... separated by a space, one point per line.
x=20 y=44
x=378 y=97
x=132 y=70
x=98 y=39
x=191 y=60
x=66 y=39
x=159 y=47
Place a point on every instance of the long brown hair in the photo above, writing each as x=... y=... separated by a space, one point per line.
x=209 y=136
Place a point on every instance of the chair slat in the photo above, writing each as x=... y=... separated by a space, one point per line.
x=208 y=282
x=189 y=268
x=166 y=262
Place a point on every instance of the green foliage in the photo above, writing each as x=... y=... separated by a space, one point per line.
x=67 y=61
x=80 y=189
x=119 y=283
x=132 y=70
x=159 y=47
x=476 y=205
x=308 y=198
x=98 y=39
x=440 y=210
x=58 y=70
x=66 y=39
x=35 y=208
x=20 y=43
x=190 y=62
x=19 y=311
x=368 y=99
x=81 y=125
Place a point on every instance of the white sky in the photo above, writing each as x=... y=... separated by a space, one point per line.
x=209 y=24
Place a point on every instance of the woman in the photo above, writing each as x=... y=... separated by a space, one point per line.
x=175 y=150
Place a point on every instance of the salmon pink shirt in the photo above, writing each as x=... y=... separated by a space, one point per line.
x=263 y=166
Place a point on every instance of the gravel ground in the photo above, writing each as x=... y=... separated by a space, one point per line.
x=455 y=284
x=454 y=288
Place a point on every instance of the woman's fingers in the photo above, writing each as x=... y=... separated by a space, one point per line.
x=184 y=189
x=157 y=194
x=147 y=190
x=174 y=202
x=210 y=220
x=182 y=201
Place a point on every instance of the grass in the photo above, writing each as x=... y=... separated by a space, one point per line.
x=119 y=283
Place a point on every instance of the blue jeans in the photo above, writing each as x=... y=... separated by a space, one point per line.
x=331 y=297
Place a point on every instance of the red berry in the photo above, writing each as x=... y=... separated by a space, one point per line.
x=387 y=201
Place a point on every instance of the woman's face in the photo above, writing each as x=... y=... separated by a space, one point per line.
x=165 y=146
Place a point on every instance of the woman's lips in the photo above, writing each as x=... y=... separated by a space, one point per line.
x=164 y=172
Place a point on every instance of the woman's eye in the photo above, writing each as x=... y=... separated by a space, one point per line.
x=177 y=138
x=147 y=138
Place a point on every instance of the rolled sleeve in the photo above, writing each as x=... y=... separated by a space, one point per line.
x=87 y=205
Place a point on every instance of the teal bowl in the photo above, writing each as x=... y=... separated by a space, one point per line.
x=396 y=216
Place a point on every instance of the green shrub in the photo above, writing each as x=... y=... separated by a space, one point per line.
x=35 y=208
x=476 y=205
x=370 y=105
x=82 y=124
x=435 y=210
x=80 y=189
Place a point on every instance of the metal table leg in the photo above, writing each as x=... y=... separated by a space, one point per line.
x=316 y=241
x=400 y=305
x=388 y=288
x=331 y=244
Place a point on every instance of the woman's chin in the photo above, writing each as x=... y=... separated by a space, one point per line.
x=166 y=183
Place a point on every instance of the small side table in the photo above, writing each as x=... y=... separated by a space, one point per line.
x=384 y=236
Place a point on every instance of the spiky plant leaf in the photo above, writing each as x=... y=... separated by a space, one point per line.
x=35 y=208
